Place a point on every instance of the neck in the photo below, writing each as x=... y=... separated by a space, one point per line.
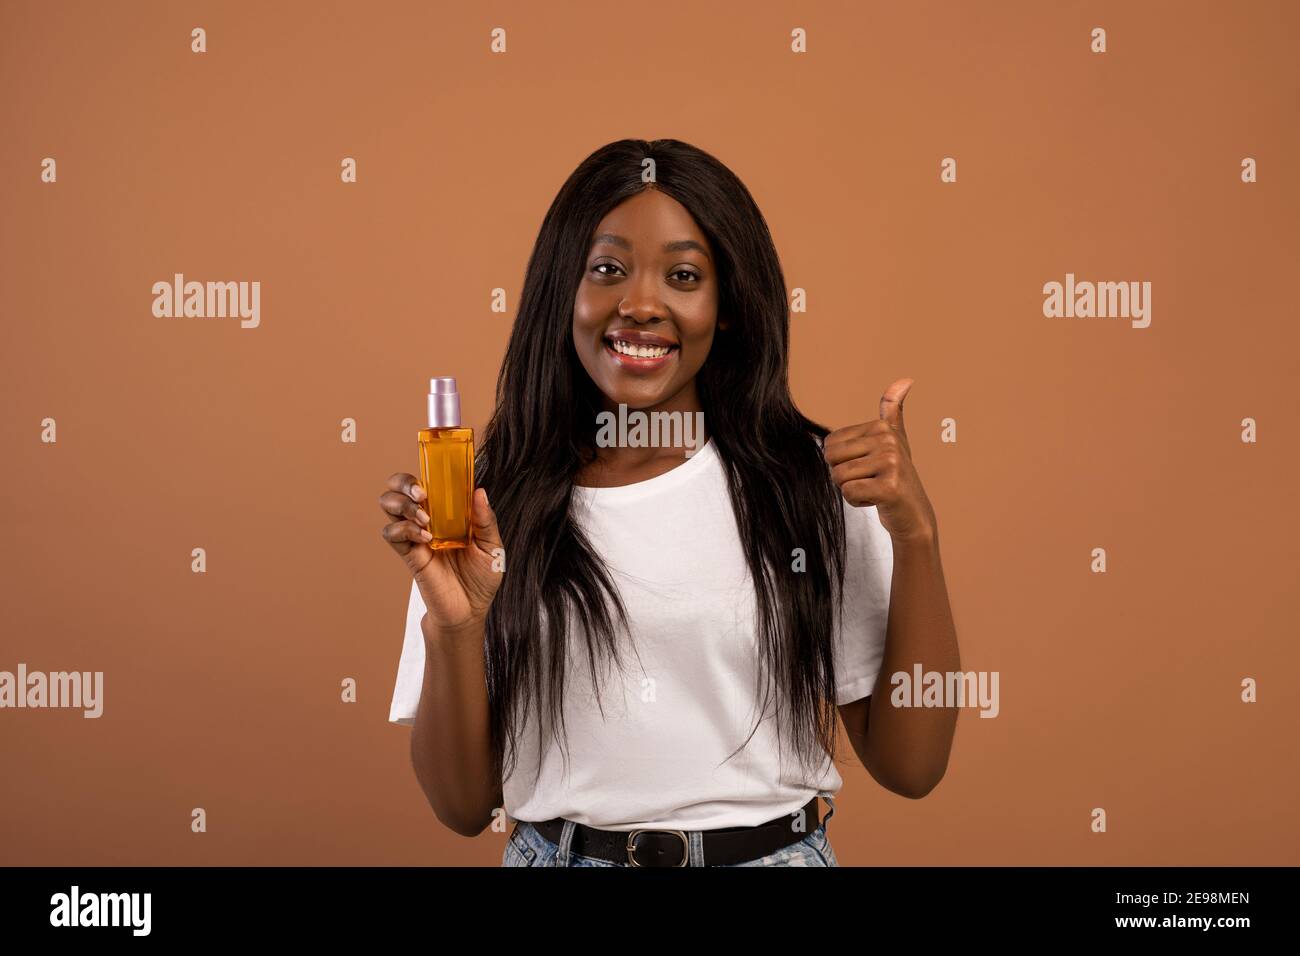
x=686 y=401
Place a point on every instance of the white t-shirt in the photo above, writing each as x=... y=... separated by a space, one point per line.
x=685 y=698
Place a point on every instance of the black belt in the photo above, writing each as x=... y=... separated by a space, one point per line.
x=651 y=847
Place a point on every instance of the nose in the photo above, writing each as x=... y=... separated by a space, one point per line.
x=642 y=303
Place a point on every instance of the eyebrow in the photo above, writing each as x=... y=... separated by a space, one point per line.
x=680 y=245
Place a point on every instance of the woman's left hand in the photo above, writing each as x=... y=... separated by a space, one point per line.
x=872 y=464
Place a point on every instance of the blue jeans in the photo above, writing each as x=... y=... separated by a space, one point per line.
x=527 y=847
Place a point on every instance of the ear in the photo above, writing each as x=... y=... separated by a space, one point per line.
x=723 y=323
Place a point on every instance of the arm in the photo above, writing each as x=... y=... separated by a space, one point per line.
x=906 y=749
x=450 y=740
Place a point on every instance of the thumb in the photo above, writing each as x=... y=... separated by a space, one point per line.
x=484 y=519
x=891 y=404
x=891 y=409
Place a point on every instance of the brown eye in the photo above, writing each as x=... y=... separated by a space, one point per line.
x=597 y=266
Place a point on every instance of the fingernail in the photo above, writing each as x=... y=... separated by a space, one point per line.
x=421 y=516
x=426 y=536
x=417 y=493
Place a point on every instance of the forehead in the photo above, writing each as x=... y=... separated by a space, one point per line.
x=650 y=220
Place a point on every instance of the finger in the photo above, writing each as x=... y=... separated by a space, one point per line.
x=395 y=504
x=486 y=534
x=863 y=492
x=404 y=534
x=853 y=433
x=871 y=466
x=881 y=440
x=407 y=484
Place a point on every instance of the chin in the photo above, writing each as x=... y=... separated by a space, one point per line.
x=635 y=398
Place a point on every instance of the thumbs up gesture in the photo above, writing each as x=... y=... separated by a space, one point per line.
x=872 y=464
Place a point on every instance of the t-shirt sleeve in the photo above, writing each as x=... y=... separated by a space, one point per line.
x=410 y=668
x=864 y=618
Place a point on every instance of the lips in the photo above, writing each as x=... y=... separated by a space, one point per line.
x=637 y=351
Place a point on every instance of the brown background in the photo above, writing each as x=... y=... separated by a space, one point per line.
x=222 y=689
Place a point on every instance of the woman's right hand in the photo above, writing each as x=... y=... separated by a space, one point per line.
x=457 y=584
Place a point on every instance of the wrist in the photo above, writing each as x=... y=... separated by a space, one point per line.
x=444 y=635
x=924 y=540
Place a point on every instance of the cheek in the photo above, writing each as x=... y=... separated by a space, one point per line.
x=585 y=344
x=698 y=331
x=586 y=324
x=592 y=304
x=696 y=349
x=582 y=314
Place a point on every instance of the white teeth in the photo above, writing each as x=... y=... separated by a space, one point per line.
x=640 y=351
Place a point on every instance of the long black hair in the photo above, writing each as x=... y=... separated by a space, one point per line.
x=543 y=431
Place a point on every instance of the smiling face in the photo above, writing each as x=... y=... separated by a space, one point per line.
x=647 y=306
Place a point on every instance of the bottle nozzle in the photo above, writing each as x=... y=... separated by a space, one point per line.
x=444 y=403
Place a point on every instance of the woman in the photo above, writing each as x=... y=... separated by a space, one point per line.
x=732 y=588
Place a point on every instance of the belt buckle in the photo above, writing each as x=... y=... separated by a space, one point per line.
x=631 y=846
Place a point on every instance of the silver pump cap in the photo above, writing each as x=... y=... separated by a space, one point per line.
x=444 y=403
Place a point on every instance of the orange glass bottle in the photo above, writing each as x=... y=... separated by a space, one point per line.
x=447 y=467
